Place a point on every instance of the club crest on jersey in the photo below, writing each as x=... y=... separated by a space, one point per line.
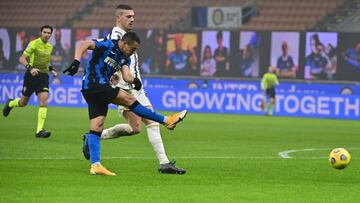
x=112 y=63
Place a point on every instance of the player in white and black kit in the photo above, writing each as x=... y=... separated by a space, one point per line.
x=124 y=23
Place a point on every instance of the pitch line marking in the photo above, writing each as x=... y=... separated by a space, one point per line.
x=285 y=154
x=128 y=157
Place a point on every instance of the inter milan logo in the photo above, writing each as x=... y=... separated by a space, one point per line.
x=112 y=63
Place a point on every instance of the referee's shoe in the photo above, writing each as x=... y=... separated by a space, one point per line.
x=7 y=108
x=43 y=134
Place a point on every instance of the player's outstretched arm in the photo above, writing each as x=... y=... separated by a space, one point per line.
x=79 y=51
x=82 y=47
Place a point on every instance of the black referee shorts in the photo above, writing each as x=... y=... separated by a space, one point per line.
x=98 y=98
x=38 y=83
x=270 y=93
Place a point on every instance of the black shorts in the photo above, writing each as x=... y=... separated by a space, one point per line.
x=270 y=92
x=98 y=99
x=38 y=83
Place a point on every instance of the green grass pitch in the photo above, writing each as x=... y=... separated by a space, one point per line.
x=229 y=158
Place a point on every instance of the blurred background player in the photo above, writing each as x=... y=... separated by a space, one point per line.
x=124 y=23
x=109 y=56
x=36 y=58
x=268 y=83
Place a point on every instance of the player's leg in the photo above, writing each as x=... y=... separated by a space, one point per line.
x=133 y=125
x=42 y=91
x=271 y=106
x=125 y=99
x=270 y=109
x=154 y=136
x=27 y=90
x=97 y=108
x=42 y=113
x=153 y=133
x=263 y=103
x=93 y=141
x=124 y=129
x=12 y=103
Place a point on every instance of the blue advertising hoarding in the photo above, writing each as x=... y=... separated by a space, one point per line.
x=230 y=97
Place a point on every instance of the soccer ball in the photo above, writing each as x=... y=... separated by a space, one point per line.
x=339 y=158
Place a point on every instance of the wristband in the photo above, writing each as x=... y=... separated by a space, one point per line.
x=28 y=66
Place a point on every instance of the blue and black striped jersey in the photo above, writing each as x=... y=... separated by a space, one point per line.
x=104 y=61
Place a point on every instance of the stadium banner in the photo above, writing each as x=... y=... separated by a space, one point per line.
x=224 y=17
x=254 y=86
x=242 y=98
x=247 y=102
x=211 y=84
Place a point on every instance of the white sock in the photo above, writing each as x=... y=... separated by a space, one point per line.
x=153 y=132
x=118 y=130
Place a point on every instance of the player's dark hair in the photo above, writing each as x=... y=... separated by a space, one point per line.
x=315 y=37
x=46 y=27
x=249 y=51
x=219 y=35
x=124 y=7
x=130 y=38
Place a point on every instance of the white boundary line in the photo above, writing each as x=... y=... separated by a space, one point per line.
x=285 y=154
x=128 y=157
x=282 y=154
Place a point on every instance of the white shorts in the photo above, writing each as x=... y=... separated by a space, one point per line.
x=140 y=96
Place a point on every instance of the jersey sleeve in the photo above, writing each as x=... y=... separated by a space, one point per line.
x=101 y=43
x=30 y=49
x=134 y=61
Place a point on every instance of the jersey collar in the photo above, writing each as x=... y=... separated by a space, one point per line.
x=119 y=30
